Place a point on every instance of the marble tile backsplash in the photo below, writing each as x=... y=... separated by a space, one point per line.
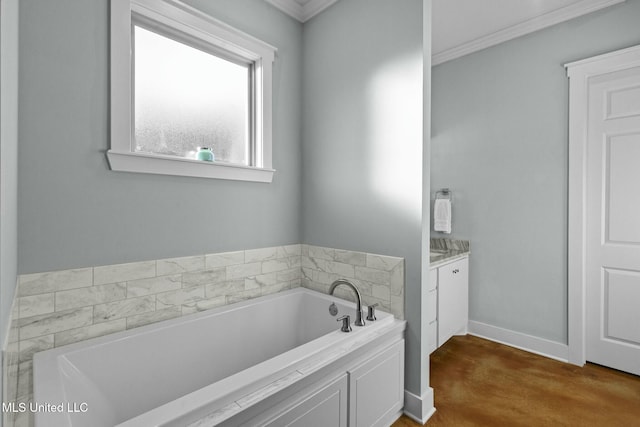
x=57 y=308
x=379 y=278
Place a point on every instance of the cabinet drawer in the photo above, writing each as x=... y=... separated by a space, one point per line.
x=433 y=279
x=432 y=305
x=432 y=336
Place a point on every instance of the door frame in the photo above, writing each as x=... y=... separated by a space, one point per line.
x=580 y=73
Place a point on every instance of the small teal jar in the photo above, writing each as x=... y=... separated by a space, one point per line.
x=205 y=154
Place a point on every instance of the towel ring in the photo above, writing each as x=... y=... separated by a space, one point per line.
x=443 y=193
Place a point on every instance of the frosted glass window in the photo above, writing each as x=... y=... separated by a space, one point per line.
x=185 y=98
x=181 y=79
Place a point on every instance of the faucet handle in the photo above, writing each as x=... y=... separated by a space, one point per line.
x=371 y=312
x=346 y=323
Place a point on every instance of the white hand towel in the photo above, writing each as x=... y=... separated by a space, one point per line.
x=442 y=215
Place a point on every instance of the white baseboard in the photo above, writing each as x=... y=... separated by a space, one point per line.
x=541 y=346
x=419 y=408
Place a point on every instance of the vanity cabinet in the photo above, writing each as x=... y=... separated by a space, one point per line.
x=448 y=301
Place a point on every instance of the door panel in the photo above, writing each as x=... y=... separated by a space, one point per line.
x=623 y=176
x=622 y=318
x=613 y=221
x=623 y=102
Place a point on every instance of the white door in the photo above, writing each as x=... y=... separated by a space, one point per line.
x=613 y=221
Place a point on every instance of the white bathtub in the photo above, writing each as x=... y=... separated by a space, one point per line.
x=208 y=366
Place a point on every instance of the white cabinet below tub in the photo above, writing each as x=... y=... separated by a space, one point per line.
x=367 y=391
x=326 y=407
x=448 y=302
x=376 y=389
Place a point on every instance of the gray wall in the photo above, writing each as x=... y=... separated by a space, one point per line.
x=75 y=212
x=9 y=11
x=362 y=154
x=8 y=159
x=362 y=139
x=499 y=141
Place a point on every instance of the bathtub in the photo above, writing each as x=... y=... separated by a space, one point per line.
x=203 y=369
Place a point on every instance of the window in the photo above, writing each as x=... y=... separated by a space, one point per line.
x=181 y=80
x=185 y=98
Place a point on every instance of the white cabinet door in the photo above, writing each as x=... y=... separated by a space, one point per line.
x=376 y=393
x=324 y=408
x=453 y=299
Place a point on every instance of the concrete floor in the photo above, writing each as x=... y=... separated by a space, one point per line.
x=482 y=383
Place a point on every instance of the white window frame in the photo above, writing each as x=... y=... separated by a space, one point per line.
x=177 y=16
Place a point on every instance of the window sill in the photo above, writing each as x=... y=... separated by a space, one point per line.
x=168 y=165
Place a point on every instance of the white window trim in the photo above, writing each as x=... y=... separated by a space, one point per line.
x=184 y=18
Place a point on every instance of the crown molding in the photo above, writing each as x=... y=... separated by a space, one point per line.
x=302 y=12
x=534 y=24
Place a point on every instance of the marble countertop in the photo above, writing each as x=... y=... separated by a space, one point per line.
x=446 y=250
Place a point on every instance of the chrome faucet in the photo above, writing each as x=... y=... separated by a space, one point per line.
x=359 y=320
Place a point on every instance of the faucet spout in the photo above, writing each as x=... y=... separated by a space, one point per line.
x=359 y=315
